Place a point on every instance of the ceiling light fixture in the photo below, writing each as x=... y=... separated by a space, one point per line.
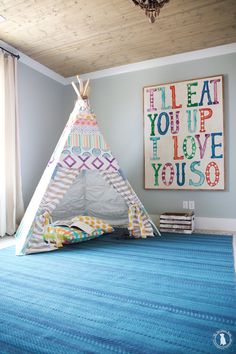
x=151 y=7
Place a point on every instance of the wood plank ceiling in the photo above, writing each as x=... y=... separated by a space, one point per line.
x=77 y=36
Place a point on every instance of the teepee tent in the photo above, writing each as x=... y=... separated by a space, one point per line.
x=81 y=178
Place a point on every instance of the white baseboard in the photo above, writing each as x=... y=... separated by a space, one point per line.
x=222 y=224
x=202 y=223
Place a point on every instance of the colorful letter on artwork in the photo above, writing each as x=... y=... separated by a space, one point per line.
x=184 y=135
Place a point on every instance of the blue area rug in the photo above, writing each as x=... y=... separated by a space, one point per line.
x=111 y=295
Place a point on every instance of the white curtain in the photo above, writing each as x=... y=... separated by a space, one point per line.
x=11 y=201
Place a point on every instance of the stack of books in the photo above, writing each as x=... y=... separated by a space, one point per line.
x=177 y=222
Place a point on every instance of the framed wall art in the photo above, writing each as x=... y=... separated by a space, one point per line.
x=184 y=135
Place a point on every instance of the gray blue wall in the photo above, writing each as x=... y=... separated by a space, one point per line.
x=117 y=102
x=42 y=119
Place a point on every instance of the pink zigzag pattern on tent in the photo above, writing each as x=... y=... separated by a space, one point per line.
x=87 y=161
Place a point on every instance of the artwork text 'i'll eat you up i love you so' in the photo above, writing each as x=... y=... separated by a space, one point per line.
x=184 y=135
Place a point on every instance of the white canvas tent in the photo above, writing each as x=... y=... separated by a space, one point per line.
x=81 y=178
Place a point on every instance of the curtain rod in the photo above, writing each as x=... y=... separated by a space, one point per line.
x=14 y=55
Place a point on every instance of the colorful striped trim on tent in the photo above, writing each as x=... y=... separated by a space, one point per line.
x=86 y=118
x=56 y=190
x=139 y=222
x=139 y=225
x=87 y=141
